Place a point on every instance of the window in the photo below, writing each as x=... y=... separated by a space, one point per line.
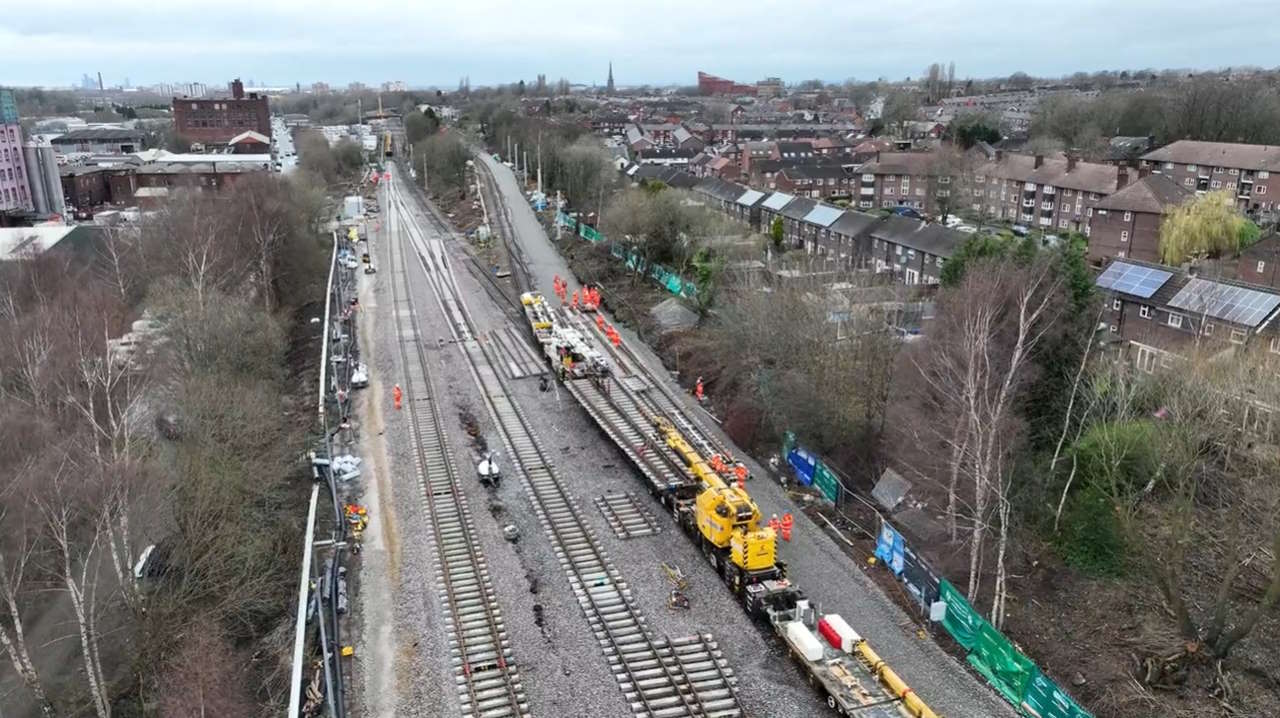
x=1066 y=207
x=1208 y=329
x=1231 y=185
x=1168 y=165
x=1089 y=213
x=1144 y=311
x=1066 y=193
x=944 y=180
x=1115 y=329
x=920 y=191
x=1128 y=216
x=1191 y=168
x=1175 y=320
x=194 y=106
x=1189 y=182
x=1216 y=184
x=941 y=192
x=979 y=178
x=891 y=178
x=1124 y=235
x=1238 y=336
x=1062 y=223
x=1115 y=304
x=888 y=190
x=1275 y=345
x=1260 y=189
x=1264 y=174
x=1233 y=172
x=1262 y=266
x=1121 y=254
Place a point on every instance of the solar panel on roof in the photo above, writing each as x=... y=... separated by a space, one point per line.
x=1133 y=279
x=1246 y=307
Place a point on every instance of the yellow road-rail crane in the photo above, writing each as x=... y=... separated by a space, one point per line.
x=727 y=519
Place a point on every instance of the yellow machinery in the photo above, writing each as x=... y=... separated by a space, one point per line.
x=726 y=516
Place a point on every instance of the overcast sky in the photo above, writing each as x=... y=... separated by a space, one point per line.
x=280 y=42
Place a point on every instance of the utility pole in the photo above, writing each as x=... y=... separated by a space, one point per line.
x=539 y=161
x=526 y=167
x=515 y=159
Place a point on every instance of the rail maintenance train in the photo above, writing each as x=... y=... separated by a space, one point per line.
x=718 y=513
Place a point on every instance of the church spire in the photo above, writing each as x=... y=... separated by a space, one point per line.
x=609 y=87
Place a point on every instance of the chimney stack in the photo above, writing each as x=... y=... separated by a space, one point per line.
x=877 y=155
x=237 y=89
x=1039 y=161
x=1122 y=178
x=1071 y=162
x=999 y=155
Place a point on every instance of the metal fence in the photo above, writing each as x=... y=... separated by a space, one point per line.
x=994 y=657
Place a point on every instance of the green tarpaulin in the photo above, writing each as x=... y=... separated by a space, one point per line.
x=589 y=233
x=961 y=620
x=1044 y=699
x=1004 y=667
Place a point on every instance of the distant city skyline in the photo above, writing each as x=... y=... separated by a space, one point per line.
x=290 y=41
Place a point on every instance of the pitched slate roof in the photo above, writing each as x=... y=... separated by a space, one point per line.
x=719 y=189
x=931 y=238
x=798 y=208
x=751 y=198
x=1219 y=154
x=853 y=224
x=1085 y=176
x=1153 y=193
x=901 y=163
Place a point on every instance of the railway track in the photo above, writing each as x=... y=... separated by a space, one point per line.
x=659 y=677
x=486 y=676
x=627 y=516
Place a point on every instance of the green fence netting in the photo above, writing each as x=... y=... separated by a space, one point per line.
x=1044 y=699
x=961 y=620
x=1000 y=663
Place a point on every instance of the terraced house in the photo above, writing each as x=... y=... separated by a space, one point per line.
x=1166 y=314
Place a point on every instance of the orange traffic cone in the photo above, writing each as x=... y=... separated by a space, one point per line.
x=787 y=523
x=396 y=395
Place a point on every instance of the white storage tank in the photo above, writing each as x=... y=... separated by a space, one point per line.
x=838 y=633
x=803 y=640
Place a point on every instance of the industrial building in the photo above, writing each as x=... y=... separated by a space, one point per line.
x=217 y=121
x=15 y=195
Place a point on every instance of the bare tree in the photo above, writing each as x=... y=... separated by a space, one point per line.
x=16 y=550
x=990 y=325
x=75 y=533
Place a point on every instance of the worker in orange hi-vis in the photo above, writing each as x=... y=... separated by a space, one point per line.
x=396 y=395
x=599 y=322
x=787 y=523
x=697 y=389
x=773 y=523
x=740 y=471
x=575 y=300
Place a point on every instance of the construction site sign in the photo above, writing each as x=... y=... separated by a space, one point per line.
x=826 y=482
x=961 y=620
